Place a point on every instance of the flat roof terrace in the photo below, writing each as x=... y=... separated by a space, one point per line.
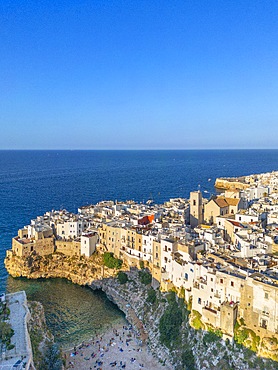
x=23 y=240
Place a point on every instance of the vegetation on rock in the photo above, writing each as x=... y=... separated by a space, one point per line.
x=6 y=331
x=122 y=277
x=111 y=262
x=170 y=322
x=45 y=352
x=246 y=337
x=145 y=277
x=53 y=358
x=196 y=321
x=151 y=298
x=187 y=359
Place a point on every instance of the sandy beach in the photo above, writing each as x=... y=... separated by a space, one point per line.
x=119 y=348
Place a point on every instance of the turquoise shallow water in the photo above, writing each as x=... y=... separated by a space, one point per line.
x=73 y=313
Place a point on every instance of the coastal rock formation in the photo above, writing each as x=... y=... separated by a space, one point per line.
x=231 y=183
x=91 y=272
x=39 y=334
x=78 y=269
x=131 y=298
x=197 y=348
x=46 y=353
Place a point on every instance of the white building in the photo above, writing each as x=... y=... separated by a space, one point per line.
x=88 y=243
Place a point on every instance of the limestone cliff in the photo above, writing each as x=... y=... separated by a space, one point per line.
x=78 y=269
x=42 y=340
x=39 y=334
x=230 y=184
x=203 y=349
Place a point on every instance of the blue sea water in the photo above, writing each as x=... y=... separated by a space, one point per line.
x=33 y=182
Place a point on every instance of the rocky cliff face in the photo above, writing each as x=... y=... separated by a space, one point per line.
x=46 y=354
x=131 y=299
x=79 y=270
x=230 y=184
x=39 y=334
x=195 y=349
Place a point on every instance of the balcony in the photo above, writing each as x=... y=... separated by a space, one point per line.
x=203 y=281
x=212 y=310
x=263 y=325
x=196 y=285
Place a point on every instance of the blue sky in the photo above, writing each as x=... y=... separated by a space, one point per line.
x=138 y=74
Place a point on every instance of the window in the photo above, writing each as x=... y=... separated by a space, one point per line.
x=232 y=283
x=211 y=289
x=156 y=255
x=264 y=324
x=199 y=300
x=194 y=202
x=266 y=295
x=221 y=281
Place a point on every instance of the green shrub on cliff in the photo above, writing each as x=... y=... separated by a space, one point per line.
x=145 y=277
x=53 y=358
x=246 y=337
x=188 y=360
x=196 y=321
x=151 y=298
x=122 y=277
x=111 y=262
x=170 y=322
x=211 y=337
x=6 y=333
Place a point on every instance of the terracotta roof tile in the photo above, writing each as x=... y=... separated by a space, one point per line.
x=221 y=202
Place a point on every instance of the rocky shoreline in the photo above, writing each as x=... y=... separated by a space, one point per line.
x=195 y=349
